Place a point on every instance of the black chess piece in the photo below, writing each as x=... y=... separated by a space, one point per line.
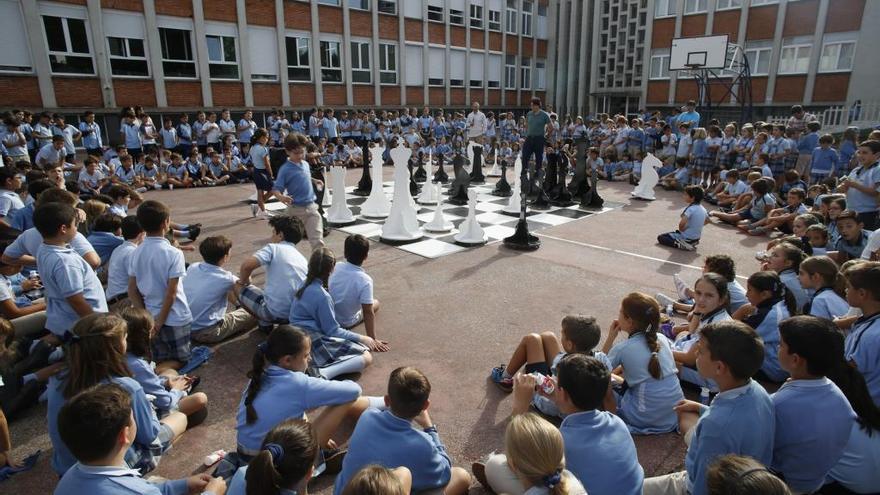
x=502 y=187
x=317 y=171
x=591 y=198
x=541 y=201
x=477 y=176
x=440 y=176
x=531 y=184
x=365 y=185
x=458 y=190
x=420 y=175
x=550 y=182
x=413 y=186
x=560 y=195
x=522 y=239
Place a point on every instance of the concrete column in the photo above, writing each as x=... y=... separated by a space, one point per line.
x=99 y=47
x=552 y=21
x=448 y=57
x=519 y=54
x=282 y=53
x=815 y=52
x=584 y=59
x=425 y=58
x=377 y=83
x=535 y=51
x=467 y=59
x=39 y=53
x=345 y=54
x=673 y=76
x=244 y=46
x=504 y=54
x=777 y=51
x=202 y=53
x=401 y=52
x=562 y=60
x=646 y=56
x=486 y=54
x=594 y=58
x=741 y=41
x=571 y=73
x=154 y=48
x=316 y=55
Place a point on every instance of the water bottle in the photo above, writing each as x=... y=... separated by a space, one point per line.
x=704 y=396
x=545 y=384
x=34 y=293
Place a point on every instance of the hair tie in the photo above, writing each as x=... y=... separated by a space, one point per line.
x=551 y=480
x=654 y=354
x=262 y=347
x=276 y=451
x=750 y=471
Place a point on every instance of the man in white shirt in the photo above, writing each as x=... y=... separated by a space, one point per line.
x=476 y=124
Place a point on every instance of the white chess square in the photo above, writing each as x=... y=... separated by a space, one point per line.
x=364 y=229
x=432 y=248
x=492 y=218
x=490 y=207
x=429 y=215
x=551 y=219
x=496 y=232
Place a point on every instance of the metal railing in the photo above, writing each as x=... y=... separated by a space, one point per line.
x=836 y=119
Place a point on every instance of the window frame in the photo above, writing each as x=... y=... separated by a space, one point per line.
x=436 y=10
x=356 y=56
x=668 y=11
x=497 y=22
x=476 y=21
x=760 y=3
x=797 y=47
x=299 y=66
x=540 y=74
x=664 y=67
x=332 y=3
x=383 y=57
x=65 y=29
x=508 y=71
x=696 y=6
x=192 y=60
x=235 y=63
x=456 y=17
x=729 y=5
x=753 y=69
x=324 y=68
x=128 y=56
x=839 y=45
x=511 y=16
x=526 y=19
x=362 y=9
x=525 y=73
x=385 y=4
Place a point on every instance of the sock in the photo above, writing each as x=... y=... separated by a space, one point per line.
x=506 y=374
x=184 y=226
x=350 y=365
x=377 y=402
x=184 y=233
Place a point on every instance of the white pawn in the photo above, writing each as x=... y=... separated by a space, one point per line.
x=496 y=168
x=439 y=223
x=339 y=212
x=470 y=232
x=327 y=200
x=429 y=194
x=514 y=204
x=377 y=204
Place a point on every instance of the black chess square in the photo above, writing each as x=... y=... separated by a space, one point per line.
x=356 y=200
x=567 y=213
x=460 y=211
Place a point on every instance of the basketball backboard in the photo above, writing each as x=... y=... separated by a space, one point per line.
x=702 y=52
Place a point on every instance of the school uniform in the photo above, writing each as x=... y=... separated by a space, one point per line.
x=765 y=320
x=29 y=241
x=866 y=206
x=685 y=341
x=116 y=480
x=847 y=151
x=117 y=272
x=789 y=277
x=646 y=405
x=823 y=161
x=104 y=244
x=133 y=142
x=153 y=264
x=169 y=138
x=10 y=201
x=22 y=218
x=313 y=312
x=245 y=135
x=238 y=484
x=756 y=210
x=862 y=348
x=184 y=138
x=382 y=438
x=286 y=270
x=206 y=287
x=228 y=128
x=813 y=423
x=296 y=180
x=856 y=469
x=777 y=146
x=125 y=176
x=600 y=452
x=545 y=405
x=65 y=273
x=144 y=373
x=350 y=287
x=696 y=216
x=826 y=303
x=853 y=250
x=283 y=395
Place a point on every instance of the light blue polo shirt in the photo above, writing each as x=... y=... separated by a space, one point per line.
x=206 y=287
x=64 y=274
x=153 y=264
x=857 y=200
x=350 y=287
x=286 y=270
x=296 y=180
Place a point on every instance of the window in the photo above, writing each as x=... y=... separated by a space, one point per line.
x=540 y=74
x=763 y=2
x=177 y=53
x=759 y=61
x=388 y=7
x=456 y=17
x=435 y=13
x=457 y=64
x=511 y=16
x=837 y=56
x=360 y=62
x=510 y=72
x=659 y=67
x=795 y=59
x=68 y=45
x=526 y=73
x=476 y=16
x=12 y=36
x=387 y=64
x=436 y=66
x=527 y=19
x=729 y=4
x=415 y=64
x=329 y=2
x=359 y=4
x=665 y=8
x=694 y=6
x=127 y=57
x=222 y=62
x=542 y=21
x=263 y=53
x=495 y=20
x=298 y=68
x=331 y=62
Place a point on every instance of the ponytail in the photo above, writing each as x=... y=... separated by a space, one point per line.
x=768 y=281
x=286 y=459
x=644 y=311
x=285 y=340
x=256 y=375
x=321 y=264
x=828 y=270
x=789 y=300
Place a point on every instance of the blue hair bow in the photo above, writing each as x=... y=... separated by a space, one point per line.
x=552 y=480
x=276 y=451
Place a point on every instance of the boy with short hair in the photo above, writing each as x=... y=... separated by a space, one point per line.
x=72 y=290
x=295 y=178
x=154 y=283
x=862 y=344
x=352 y=289
x=91 y=180
x=853 y=238
x=824 y=161
x=387 y=438
x=690 y=226
x=105 y=235
x=51 y=154
x=117 y=267
x=208 y=289
x=780 y=218
x=23 y=219
x=741 y=418
x=98 y=428
x=10 y=201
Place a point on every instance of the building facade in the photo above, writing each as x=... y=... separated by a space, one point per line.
x=190 y=54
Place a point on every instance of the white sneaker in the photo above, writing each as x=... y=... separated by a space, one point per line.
x=664 y=300
x=157 y=186
x=141 y=190
x=685 y=245
x=254 y=210
x=170 y=187
x=680 y=288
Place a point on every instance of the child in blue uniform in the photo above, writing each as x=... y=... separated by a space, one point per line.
x=772 y=302
x=863 y=340
x=785 y=259
x=820 y=274
x=286 y=461
x=690 y=226
x=648 y=366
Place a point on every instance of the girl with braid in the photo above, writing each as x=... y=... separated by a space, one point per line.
x=651 y=387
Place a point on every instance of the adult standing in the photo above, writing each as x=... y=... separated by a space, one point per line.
x=537 y=127
x=690 y=115
x=799 y=119
x=316 y=123
x=476 y=124
x=862 y=185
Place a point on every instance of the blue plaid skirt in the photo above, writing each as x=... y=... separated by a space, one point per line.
x=777 y=167
x=705 y=163
x=330 y=350
x=790 y=161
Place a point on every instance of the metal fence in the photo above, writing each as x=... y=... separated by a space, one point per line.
x=837 y=119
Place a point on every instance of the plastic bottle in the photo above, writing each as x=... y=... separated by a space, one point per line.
x=704 y=396
x=545 y=384
x=34 y=293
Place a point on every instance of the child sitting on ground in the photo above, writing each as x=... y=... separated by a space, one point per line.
x=105 y=236
x=853 y=238
x=285 y=462
x=24 y=371
x=758 y=208
x=820 y=275
x=863 y=340
x=742 y=474
x=209 y=288
x=772 y=302
x=690 y=227
x=352 y=289
x=721 y=264
x=678 y=179
x=780 y=218
x=817 y=236
x=785 y=259
x=117 y=267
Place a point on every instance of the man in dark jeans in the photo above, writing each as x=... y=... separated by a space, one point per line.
x=538 y=122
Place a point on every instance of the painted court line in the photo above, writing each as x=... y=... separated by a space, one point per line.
x=617 y=251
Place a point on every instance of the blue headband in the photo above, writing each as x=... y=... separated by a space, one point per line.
x=276 y=451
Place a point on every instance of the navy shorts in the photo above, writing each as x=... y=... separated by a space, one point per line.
x=262 y=179
x=746 y=215
x=541 y=368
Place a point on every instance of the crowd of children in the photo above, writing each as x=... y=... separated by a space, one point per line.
x=108 y=318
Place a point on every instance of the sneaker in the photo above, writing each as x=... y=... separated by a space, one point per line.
x=194 y=233
x=680 y=288
x=157 y=186
x=664 y=300
x=479 y=470
x=684 y=245
x=505 y=383
x=254 y=210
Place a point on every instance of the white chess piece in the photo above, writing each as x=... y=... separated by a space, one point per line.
x=439 y=223
x=469 y=153
x=496 y=168
x=377 y=204
x=645 y=189
x=514 y=204
x=470 y=231
x=328 y=195
x=401 y=224
x=339 y=212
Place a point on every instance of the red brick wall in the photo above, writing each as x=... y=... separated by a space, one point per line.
x=302 y=95
x=436 y=96
x=844 y=15
x=363 y=95
x=495 y=42
x=131 y=92
x=20 y=91
x=658 y=91
x=220 y=10
x=361 y=23
x=542 y=48
x=511 y=45
x=174 y=7
x=267 y=94
x=228 y=94
x=415 y=95
x=260 y=12
x=478 y=39
x=388 y=27
x=527 y=47
x=693 y=25
x=494 y=97
x=136 y=5
x=800 y=17
x=525 y=99
x=412 y=30
x=510 y=98
x=78 y=92
x=831 y=88
x=456 y=96
x=334 y=94
x=298 y=15
x=790 y=88
x=762 y=23
x=330 y=19
x=391 y=95
x=727 y=22
x=759 y=89
x=685 y=90
x=183 y=93
x=457 y=36
x=664 y=31
x=436 y=33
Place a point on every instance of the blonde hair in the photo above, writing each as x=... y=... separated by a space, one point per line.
x=700 y=133
x=374 y=480
x=535 y=451
x=93 y=209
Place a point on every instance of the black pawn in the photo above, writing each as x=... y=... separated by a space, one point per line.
x=502 y=187
x=420 y=175
x=458 y=191
x=541 y=201
x=477 y=176
x=413 y=186
x=561 y=196
x=440 y=176
x=550 y=183
x=365 y=185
